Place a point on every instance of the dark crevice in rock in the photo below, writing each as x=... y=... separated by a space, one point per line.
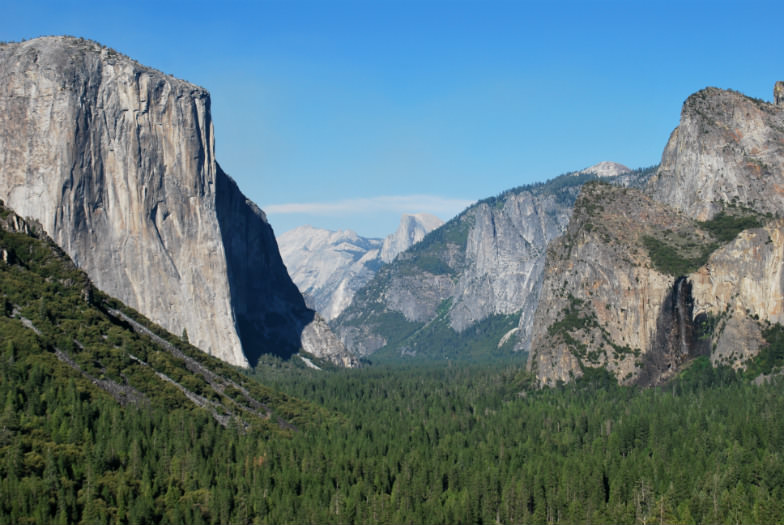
x=678 y=338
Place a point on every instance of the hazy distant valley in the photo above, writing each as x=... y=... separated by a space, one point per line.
x=329 y=267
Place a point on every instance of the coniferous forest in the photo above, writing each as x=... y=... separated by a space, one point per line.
x=107 y=419
x=435 y=445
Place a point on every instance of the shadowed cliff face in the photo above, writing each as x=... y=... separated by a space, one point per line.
x=270 y=312
x=678 y=336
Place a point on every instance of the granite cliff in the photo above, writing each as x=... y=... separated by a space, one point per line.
x=644 y=282
x=727 y=148
x=116 y=161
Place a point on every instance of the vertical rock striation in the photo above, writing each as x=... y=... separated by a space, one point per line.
x=678 y=338
x=116 y=161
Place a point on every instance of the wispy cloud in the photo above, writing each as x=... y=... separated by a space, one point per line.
x=388 y=203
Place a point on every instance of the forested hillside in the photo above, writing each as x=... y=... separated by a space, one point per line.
x=105 y=422
x=104 y=413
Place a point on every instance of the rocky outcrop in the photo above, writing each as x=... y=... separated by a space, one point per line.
x=116 y=161
x=613 y=296
x=639 y=287
x=601 y=298
x=606 y=169
x=728 y=148
x=741 y=286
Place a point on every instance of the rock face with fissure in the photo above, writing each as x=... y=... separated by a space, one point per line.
x=116 y=161
x=677 y=338
x=642 y=283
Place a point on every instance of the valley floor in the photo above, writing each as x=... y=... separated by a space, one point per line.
x=449 y=444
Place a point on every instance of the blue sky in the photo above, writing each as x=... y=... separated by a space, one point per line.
x=345 y=114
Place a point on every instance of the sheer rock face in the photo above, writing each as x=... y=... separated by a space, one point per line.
x=746 y=274
x=504 y=258
x=727 y=148
x=116 y=161
x=742 y=283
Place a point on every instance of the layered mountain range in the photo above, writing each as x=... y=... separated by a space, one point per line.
x=637 y=272
x=116 y=161
x=473 y=283
x=652 y=269
x=330 y=266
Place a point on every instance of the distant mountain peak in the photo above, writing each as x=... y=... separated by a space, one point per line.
x=330 y=266
x=606 y=168
x=412 y=229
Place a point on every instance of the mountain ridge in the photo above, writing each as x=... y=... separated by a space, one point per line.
x=481 y=269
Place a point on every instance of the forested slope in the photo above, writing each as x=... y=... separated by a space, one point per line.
x=105 y=416
x=443 y=444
